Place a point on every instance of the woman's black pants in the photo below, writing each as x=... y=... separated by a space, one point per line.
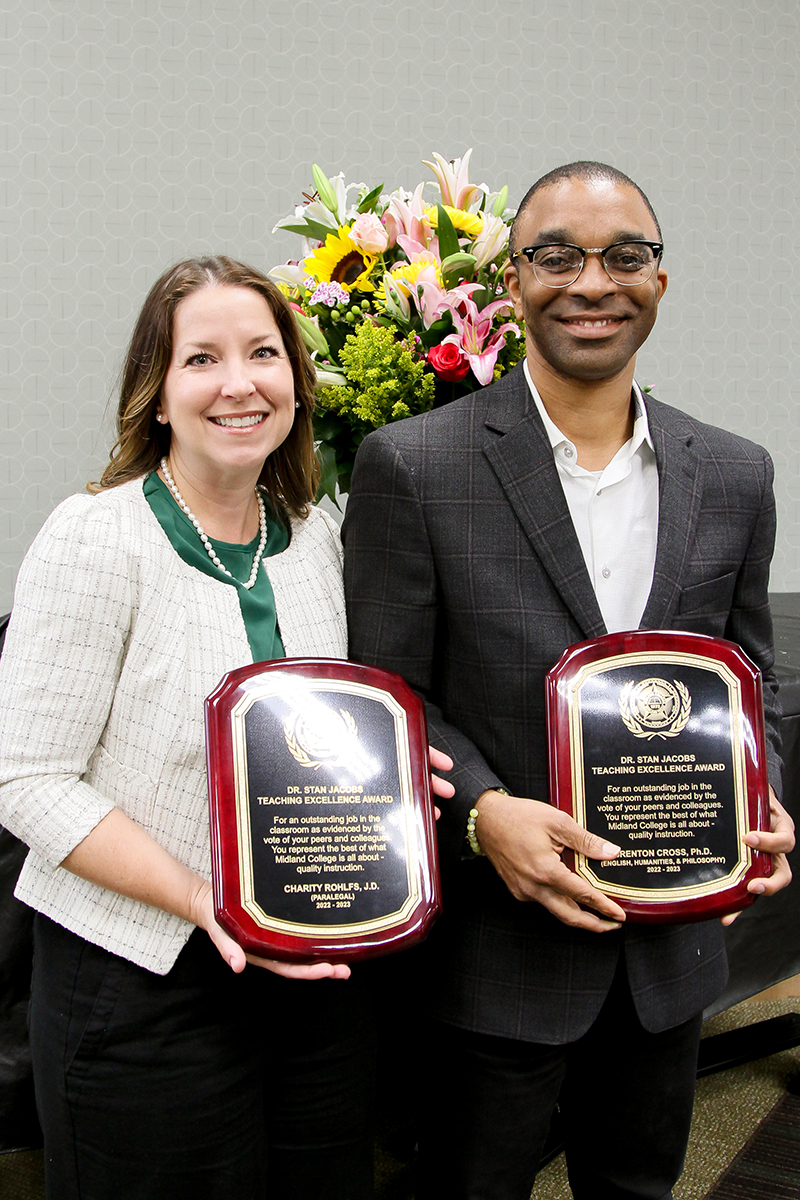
x=199 y=1083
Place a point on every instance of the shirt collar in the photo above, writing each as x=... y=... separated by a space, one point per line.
x=641 y=428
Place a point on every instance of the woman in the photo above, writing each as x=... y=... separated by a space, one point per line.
x=162 y=1066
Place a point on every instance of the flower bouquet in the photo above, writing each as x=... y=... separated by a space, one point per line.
x=400 y=300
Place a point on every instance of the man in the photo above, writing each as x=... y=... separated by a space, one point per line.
x=481 y=540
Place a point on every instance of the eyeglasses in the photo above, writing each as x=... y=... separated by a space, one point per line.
x=626 y=263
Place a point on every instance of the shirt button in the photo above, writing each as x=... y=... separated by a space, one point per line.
x=568 y=452
x=606 y=573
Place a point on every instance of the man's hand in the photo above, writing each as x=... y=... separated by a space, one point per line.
x=778 y=842
x=524 y=840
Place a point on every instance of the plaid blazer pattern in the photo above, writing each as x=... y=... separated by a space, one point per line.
x=464 y=574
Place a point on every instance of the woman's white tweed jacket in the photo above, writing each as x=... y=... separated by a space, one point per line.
x=113 y=644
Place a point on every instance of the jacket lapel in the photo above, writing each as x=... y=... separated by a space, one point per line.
x=522 y=459
x=679 y=496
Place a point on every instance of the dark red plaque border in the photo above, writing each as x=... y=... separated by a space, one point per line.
x=558 y=683
x=224 y=832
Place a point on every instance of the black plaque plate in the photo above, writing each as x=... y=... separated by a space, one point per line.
x=657 y=744
x=322 y=828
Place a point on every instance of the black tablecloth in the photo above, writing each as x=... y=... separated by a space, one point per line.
x=764 y=943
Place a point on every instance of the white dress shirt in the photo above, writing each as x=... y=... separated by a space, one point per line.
x=615 y=514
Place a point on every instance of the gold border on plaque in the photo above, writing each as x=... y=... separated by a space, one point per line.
x=661 y=895
x=410 y=829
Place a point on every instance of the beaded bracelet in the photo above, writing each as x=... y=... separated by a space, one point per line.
x=472 y=820
x=472 y=836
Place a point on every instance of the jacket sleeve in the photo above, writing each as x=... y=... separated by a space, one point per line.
x=750 y=622
x=61 y=661
x=394 y=610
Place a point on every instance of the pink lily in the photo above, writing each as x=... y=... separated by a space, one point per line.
x=400 y=292
x=474 y=328
x=405 y=224
x=453 y=180
x=414 y=248
x=432 y=300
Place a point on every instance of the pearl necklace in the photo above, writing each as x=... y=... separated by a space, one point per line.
x=212 y=554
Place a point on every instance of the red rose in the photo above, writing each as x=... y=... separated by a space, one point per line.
x=448 y=362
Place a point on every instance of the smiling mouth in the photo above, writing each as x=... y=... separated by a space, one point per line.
x=239 y=422
x=592 y=322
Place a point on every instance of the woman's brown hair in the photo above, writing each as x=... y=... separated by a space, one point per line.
x=291 y=473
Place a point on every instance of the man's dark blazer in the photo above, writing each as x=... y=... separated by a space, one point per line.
x=465 y=575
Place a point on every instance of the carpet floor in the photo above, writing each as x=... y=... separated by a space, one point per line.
x=769 y=1165
x=730 y=1150
x=728 y=1109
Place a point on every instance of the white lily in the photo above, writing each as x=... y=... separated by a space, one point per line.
x=291 y=274
x=328 y=378
x=491 y=240
x=318 y=212
x=453 y=180
x=311 y=334
x=399 y=193
x=338 y=185
x=497 y=203
x=315 y=211
x=396 y=299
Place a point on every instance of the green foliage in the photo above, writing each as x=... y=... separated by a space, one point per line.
x=512 y=353
x=328 y=472
x=385 y=381
x=499 y=206
x=323 y=185
x=309 y=229
x=370 y=201
x=457 y=268
x=371 y=322
x=448 y=238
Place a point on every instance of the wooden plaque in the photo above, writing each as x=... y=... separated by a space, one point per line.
x=322 y=827
x=656 y=743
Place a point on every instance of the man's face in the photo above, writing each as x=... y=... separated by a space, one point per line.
x=591 y=329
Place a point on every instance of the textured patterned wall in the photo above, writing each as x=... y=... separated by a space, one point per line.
x=135 y=132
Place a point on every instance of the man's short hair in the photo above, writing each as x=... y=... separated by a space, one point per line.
x=587 y=171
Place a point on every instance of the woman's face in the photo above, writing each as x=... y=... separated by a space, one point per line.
x=228 y=395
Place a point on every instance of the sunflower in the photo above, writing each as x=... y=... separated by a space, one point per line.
x=469 y=223
x=405 y=275
x=340 y=261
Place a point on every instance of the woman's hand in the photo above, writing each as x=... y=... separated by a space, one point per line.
x=320 y=970
x=120 y=855
x=202 y=915
x=441 y=787
x=234 y=955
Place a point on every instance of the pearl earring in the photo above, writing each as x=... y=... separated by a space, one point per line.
x=297 y=403
x=159 y=418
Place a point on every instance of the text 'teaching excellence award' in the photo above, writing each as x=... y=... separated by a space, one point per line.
x=656 y=743
x=322 y=827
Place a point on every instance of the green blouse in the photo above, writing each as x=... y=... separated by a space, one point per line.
x=257 y=603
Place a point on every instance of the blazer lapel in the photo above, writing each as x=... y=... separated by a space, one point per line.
x=522 y=459
x=679 y=496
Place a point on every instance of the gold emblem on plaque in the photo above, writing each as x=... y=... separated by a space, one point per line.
x=655 y=707
x=318 y=740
